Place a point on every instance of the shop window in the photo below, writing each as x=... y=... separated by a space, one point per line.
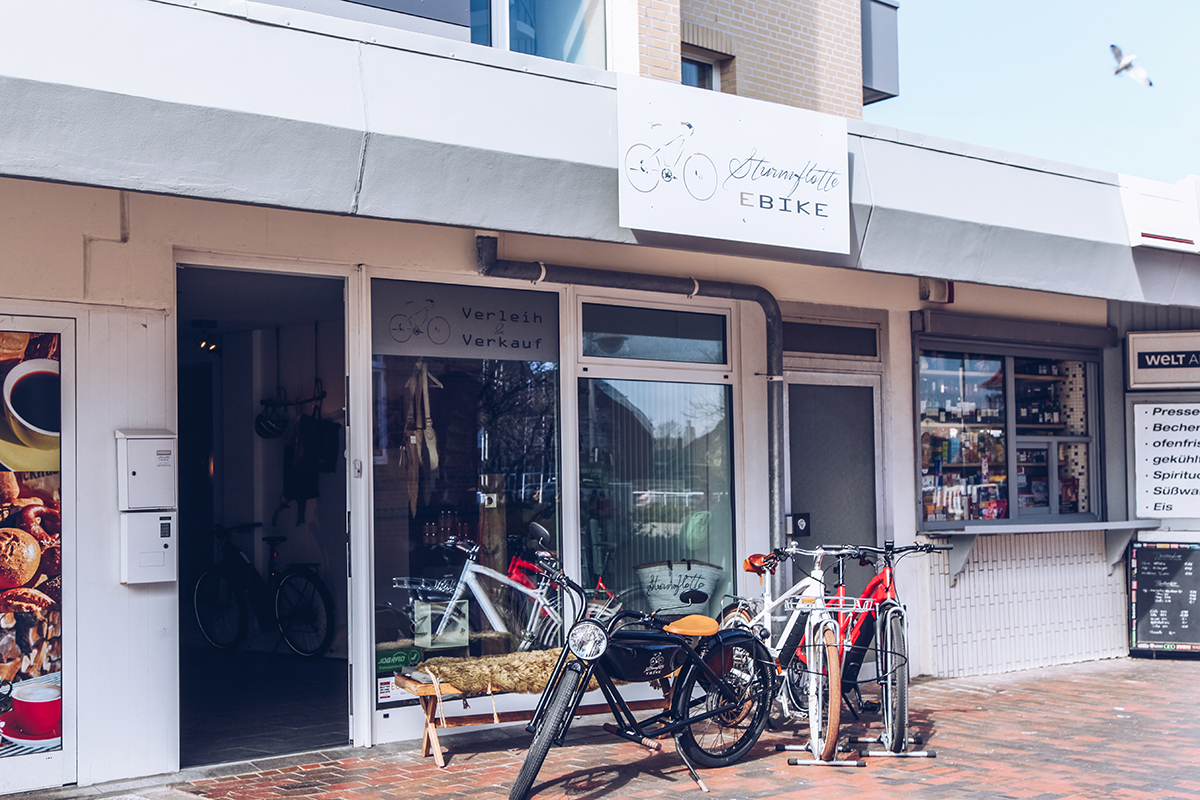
x=1004 y=438
x=653 y=334
x=466 y=466
x=656 y=499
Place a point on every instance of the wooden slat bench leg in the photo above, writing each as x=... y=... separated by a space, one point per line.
x=429 y=739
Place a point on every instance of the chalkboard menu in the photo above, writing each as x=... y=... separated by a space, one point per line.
x=1165 y=580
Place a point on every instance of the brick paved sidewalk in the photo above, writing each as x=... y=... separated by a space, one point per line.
x=1127 y=728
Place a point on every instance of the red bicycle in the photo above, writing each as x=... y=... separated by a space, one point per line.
x=878 y=617
x=874 y=619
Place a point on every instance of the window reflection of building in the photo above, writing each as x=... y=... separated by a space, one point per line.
x=656 y=496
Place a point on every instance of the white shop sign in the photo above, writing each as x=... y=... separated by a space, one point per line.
x=1168 y=360
x=1166 y=451
x=701 y=163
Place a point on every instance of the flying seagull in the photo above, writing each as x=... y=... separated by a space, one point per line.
x=1125 y=64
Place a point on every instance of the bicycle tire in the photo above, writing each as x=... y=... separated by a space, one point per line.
x=735 y=616
x=220 y=606
x=401 y=328
x=438 y=330
x=547 y=731
x=721 y=740
x=700 y=177
x=824 y=695
x=894 y=684
x=304 y=613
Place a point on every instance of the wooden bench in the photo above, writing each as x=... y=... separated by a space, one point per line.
x=431 y=694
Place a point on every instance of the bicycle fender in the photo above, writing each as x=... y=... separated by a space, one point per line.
x=715 y=651
x=732 y=636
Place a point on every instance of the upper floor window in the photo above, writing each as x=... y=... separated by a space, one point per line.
x=697 y=73
x=564 y=30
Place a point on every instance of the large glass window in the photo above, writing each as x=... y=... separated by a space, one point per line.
x=465 y=437
x=656 y=499
x=1004 y=437
x=565 y=30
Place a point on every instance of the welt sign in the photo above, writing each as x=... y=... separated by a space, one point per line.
x=1169 y=360
x=700 y=163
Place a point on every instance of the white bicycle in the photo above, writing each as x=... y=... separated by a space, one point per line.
x=542 y=619
x=807 y=649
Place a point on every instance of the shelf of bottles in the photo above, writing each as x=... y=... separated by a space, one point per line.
x=1044 y=389
x=964 y=474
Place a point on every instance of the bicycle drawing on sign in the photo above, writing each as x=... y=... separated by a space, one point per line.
x=420 y=321
x=647 y=166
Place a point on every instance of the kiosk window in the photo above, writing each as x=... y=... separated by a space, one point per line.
x=1004 y=437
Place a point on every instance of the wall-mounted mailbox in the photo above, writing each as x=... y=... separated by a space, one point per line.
x=149 y=547
x=146 y=465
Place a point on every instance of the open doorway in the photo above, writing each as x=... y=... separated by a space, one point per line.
x=263 y=542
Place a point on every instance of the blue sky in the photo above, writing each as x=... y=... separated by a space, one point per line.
x=1036 y=78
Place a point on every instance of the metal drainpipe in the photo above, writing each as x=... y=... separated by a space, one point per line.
x=536 y=272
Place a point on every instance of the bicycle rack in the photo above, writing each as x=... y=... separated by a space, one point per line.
x=913 y=740
x=796 y=762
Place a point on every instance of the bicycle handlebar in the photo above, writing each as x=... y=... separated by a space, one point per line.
x=908 y=548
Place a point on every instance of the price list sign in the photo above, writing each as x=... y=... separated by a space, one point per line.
x=1166 y=451
x=1165 y=580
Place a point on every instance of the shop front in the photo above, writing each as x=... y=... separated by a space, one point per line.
x=598 y=426
x=819 y=331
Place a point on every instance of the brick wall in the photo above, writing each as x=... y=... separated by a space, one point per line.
x=799 y=53
x=658 y=39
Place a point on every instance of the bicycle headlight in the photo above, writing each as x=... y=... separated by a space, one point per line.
x=587 y=640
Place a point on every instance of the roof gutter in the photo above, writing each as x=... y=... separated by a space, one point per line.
x=537 y=272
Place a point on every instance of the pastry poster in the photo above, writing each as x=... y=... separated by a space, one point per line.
x=30 y=544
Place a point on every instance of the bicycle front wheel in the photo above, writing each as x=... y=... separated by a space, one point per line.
x=547 y=731
x=220 y=606
x=824 y=694
x=726 y=737
x=894 y=685
x=304 y=610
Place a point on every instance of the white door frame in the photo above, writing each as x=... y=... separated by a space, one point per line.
x=871 y=380
x=360 y=636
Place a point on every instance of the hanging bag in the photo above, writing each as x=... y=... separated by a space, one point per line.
x=430 y=435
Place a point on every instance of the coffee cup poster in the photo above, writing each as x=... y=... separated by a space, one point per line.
x=30 y=544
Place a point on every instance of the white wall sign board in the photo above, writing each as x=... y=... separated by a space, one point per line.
x=1164 y=360
x=703 y=163
x=1166 y=451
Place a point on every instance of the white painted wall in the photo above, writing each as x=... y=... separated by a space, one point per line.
x=125 y=637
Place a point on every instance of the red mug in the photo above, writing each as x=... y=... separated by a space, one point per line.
x=36 y=707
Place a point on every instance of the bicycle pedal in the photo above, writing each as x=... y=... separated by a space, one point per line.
x=871 y=706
